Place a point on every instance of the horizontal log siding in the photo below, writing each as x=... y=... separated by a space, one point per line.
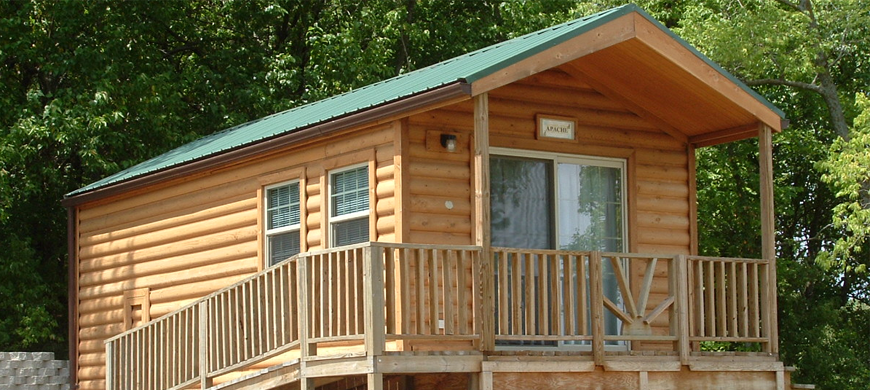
x=437 y=177
x=198 y=235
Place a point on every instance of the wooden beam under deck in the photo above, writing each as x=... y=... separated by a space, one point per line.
x=546 y=369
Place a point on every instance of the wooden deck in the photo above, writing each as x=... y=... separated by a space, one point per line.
x=379 y=309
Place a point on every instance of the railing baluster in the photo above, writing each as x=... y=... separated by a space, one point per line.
x=710 y=291
x=732 y=298
x=503 y=286
x=447 y=269
x=722 y=309
x=743 y=281
x=432 y=302
x=542 y=284
x=462 y=271
x=421 y=291
x=390 y=289
x=203 y=341
x=405 y=280
x=596 y=291
x=567 y=295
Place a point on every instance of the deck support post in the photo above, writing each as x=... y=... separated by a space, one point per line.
x=202 y=338
x=303 y=316
x=768 y=234
x=486 y=316
x=680 y=286
x=373 y=290
x=375 y=381
x=486 y=380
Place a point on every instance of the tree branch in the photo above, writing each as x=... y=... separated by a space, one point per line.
x=788 y=83
x=794 y=6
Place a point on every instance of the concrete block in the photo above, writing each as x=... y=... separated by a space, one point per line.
x=43 y=356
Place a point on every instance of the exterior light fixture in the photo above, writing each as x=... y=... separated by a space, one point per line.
x=448 y=141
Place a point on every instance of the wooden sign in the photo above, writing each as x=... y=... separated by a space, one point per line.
x=556 y=127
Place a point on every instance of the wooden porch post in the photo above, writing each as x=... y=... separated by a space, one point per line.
x=482 y=220
x=768 y=231
x=203 y=339
x=373 y=293
x=302 y=315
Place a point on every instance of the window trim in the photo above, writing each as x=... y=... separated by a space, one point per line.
x=267 y=233
x=332 y=220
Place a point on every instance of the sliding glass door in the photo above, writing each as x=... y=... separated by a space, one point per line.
x=550 y=201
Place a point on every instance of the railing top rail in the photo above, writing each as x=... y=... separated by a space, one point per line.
x=728 y=259
x=639 y=255
x=426 y=246
x=542 y=251
x=630 y=255
x=389 y=245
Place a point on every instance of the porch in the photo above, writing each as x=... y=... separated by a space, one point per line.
x=385 y=309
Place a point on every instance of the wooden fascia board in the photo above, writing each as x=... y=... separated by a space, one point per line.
x=601 y=37
x=440 y=97
x=667 y=46
x=606 y=90
x=726 y=135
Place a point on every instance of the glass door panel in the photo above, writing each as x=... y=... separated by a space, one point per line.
x=590 y=219
x=521 y=203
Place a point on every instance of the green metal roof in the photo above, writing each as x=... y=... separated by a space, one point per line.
x=466 y=68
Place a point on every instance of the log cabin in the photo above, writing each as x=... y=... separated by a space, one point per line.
x=519 y=217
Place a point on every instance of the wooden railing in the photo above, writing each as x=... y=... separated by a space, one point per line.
x=372 y=293
x=376 y=292
x=730 y=300
x=161 y=355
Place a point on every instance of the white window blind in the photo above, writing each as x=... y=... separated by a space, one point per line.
x=282 y=222
x=349 y=206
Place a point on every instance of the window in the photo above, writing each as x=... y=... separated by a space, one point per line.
x=551 y=201
x=282 y=222
x=349 y=206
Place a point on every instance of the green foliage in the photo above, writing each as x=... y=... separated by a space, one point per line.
x=848 y=170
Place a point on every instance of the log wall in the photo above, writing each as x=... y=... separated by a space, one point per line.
x=186 y=239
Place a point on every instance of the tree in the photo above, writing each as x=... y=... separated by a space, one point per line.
x=807 y=57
